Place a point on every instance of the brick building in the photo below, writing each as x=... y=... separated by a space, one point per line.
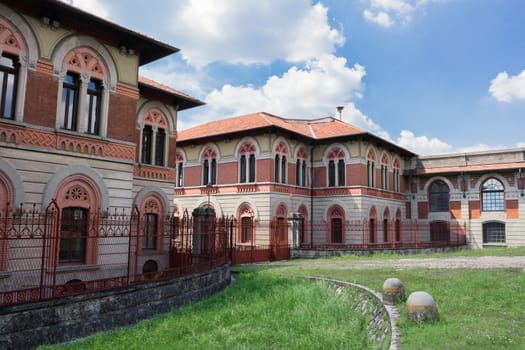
x=81 y=133
x=340 y=187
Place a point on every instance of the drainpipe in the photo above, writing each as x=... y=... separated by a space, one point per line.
x=311 y=195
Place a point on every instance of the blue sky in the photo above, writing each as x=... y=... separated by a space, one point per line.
x=434 y=76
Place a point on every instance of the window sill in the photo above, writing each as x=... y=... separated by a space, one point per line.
x=502 y=245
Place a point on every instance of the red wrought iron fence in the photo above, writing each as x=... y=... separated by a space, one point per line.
x=391 y=234
x=58 y=252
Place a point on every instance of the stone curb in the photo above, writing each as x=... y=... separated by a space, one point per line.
x=391 y=310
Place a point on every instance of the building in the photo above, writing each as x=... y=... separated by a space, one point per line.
x=82 y=136
x=339 y=187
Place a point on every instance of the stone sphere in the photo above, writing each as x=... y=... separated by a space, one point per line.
x=421 y=307
x=393 y=291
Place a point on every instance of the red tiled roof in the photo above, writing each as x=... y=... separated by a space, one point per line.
x=321 y=128
x=165 y=88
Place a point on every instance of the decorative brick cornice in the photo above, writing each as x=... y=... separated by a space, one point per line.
x=151 y=172
x=52 y=140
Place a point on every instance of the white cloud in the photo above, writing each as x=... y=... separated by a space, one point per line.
x=252 y=31
x=96 y=7
x=507 y=88
x=310 y=91
x=380 y=18
x=422 y=144
x=386 y=13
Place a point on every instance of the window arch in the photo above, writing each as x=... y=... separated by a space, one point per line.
x=492 y=195
x=247 y=162
x=336 y=219
x=209 y=166
x=493 y=232
x=78 y=199
x=86 y=74
x=18 y=54
x=82 y=97
x=154 y=139
x=336 y=167
x=438 y=196
x=300 y=167
x=152 y=210
x=384 y=172
x=245 y=217
x=371 y=168
x=281 y=163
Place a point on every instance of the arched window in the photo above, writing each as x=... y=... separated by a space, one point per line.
x=281 y=164
x=154 y=143
x=245 y=217
x=300 y=168
x=336 y=167
x=247 y=163
x=384 y=172
x=18 y=55
x=438 y=196
x=81 y=99
x=8 y=85
x=386 y=222
x=150 y=223
x=371 y=168
x=152 y=209
x=336 y=217
x=493 y=232
x=209 y=167
x=493 y=195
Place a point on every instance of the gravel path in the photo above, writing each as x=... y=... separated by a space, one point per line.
x=482 y=262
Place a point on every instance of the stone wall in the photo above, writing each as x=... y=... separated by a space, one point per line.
x=55 y=321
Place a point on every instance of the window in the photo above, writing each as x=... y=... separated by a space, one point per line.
x=336 y=168
x=493 y=232
x=439 y=231
x=8 y=76
x=372 y=230
x=160 y=146
x=281 y=164
x=438 y=196
x=493 y=195
x=337 y=230
x=246 y=229
x=180 y=175
x=94 y=93
x=147 y=143
x=331 y=173
x=247 y=168
x=371 y=168
x=73 y=234
x=384 y=172
x=300 y=167
x=209 y=167
x=385 y=230
x=149 y=231
x=397 y=229
x=68 y=112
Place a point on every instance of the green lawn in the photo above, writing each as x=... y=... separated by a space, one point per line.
x=267 y=309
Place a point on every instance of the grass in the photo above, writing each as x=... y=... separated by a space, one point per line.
x=267 y=308
x=259 y=311
x=489 y=251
